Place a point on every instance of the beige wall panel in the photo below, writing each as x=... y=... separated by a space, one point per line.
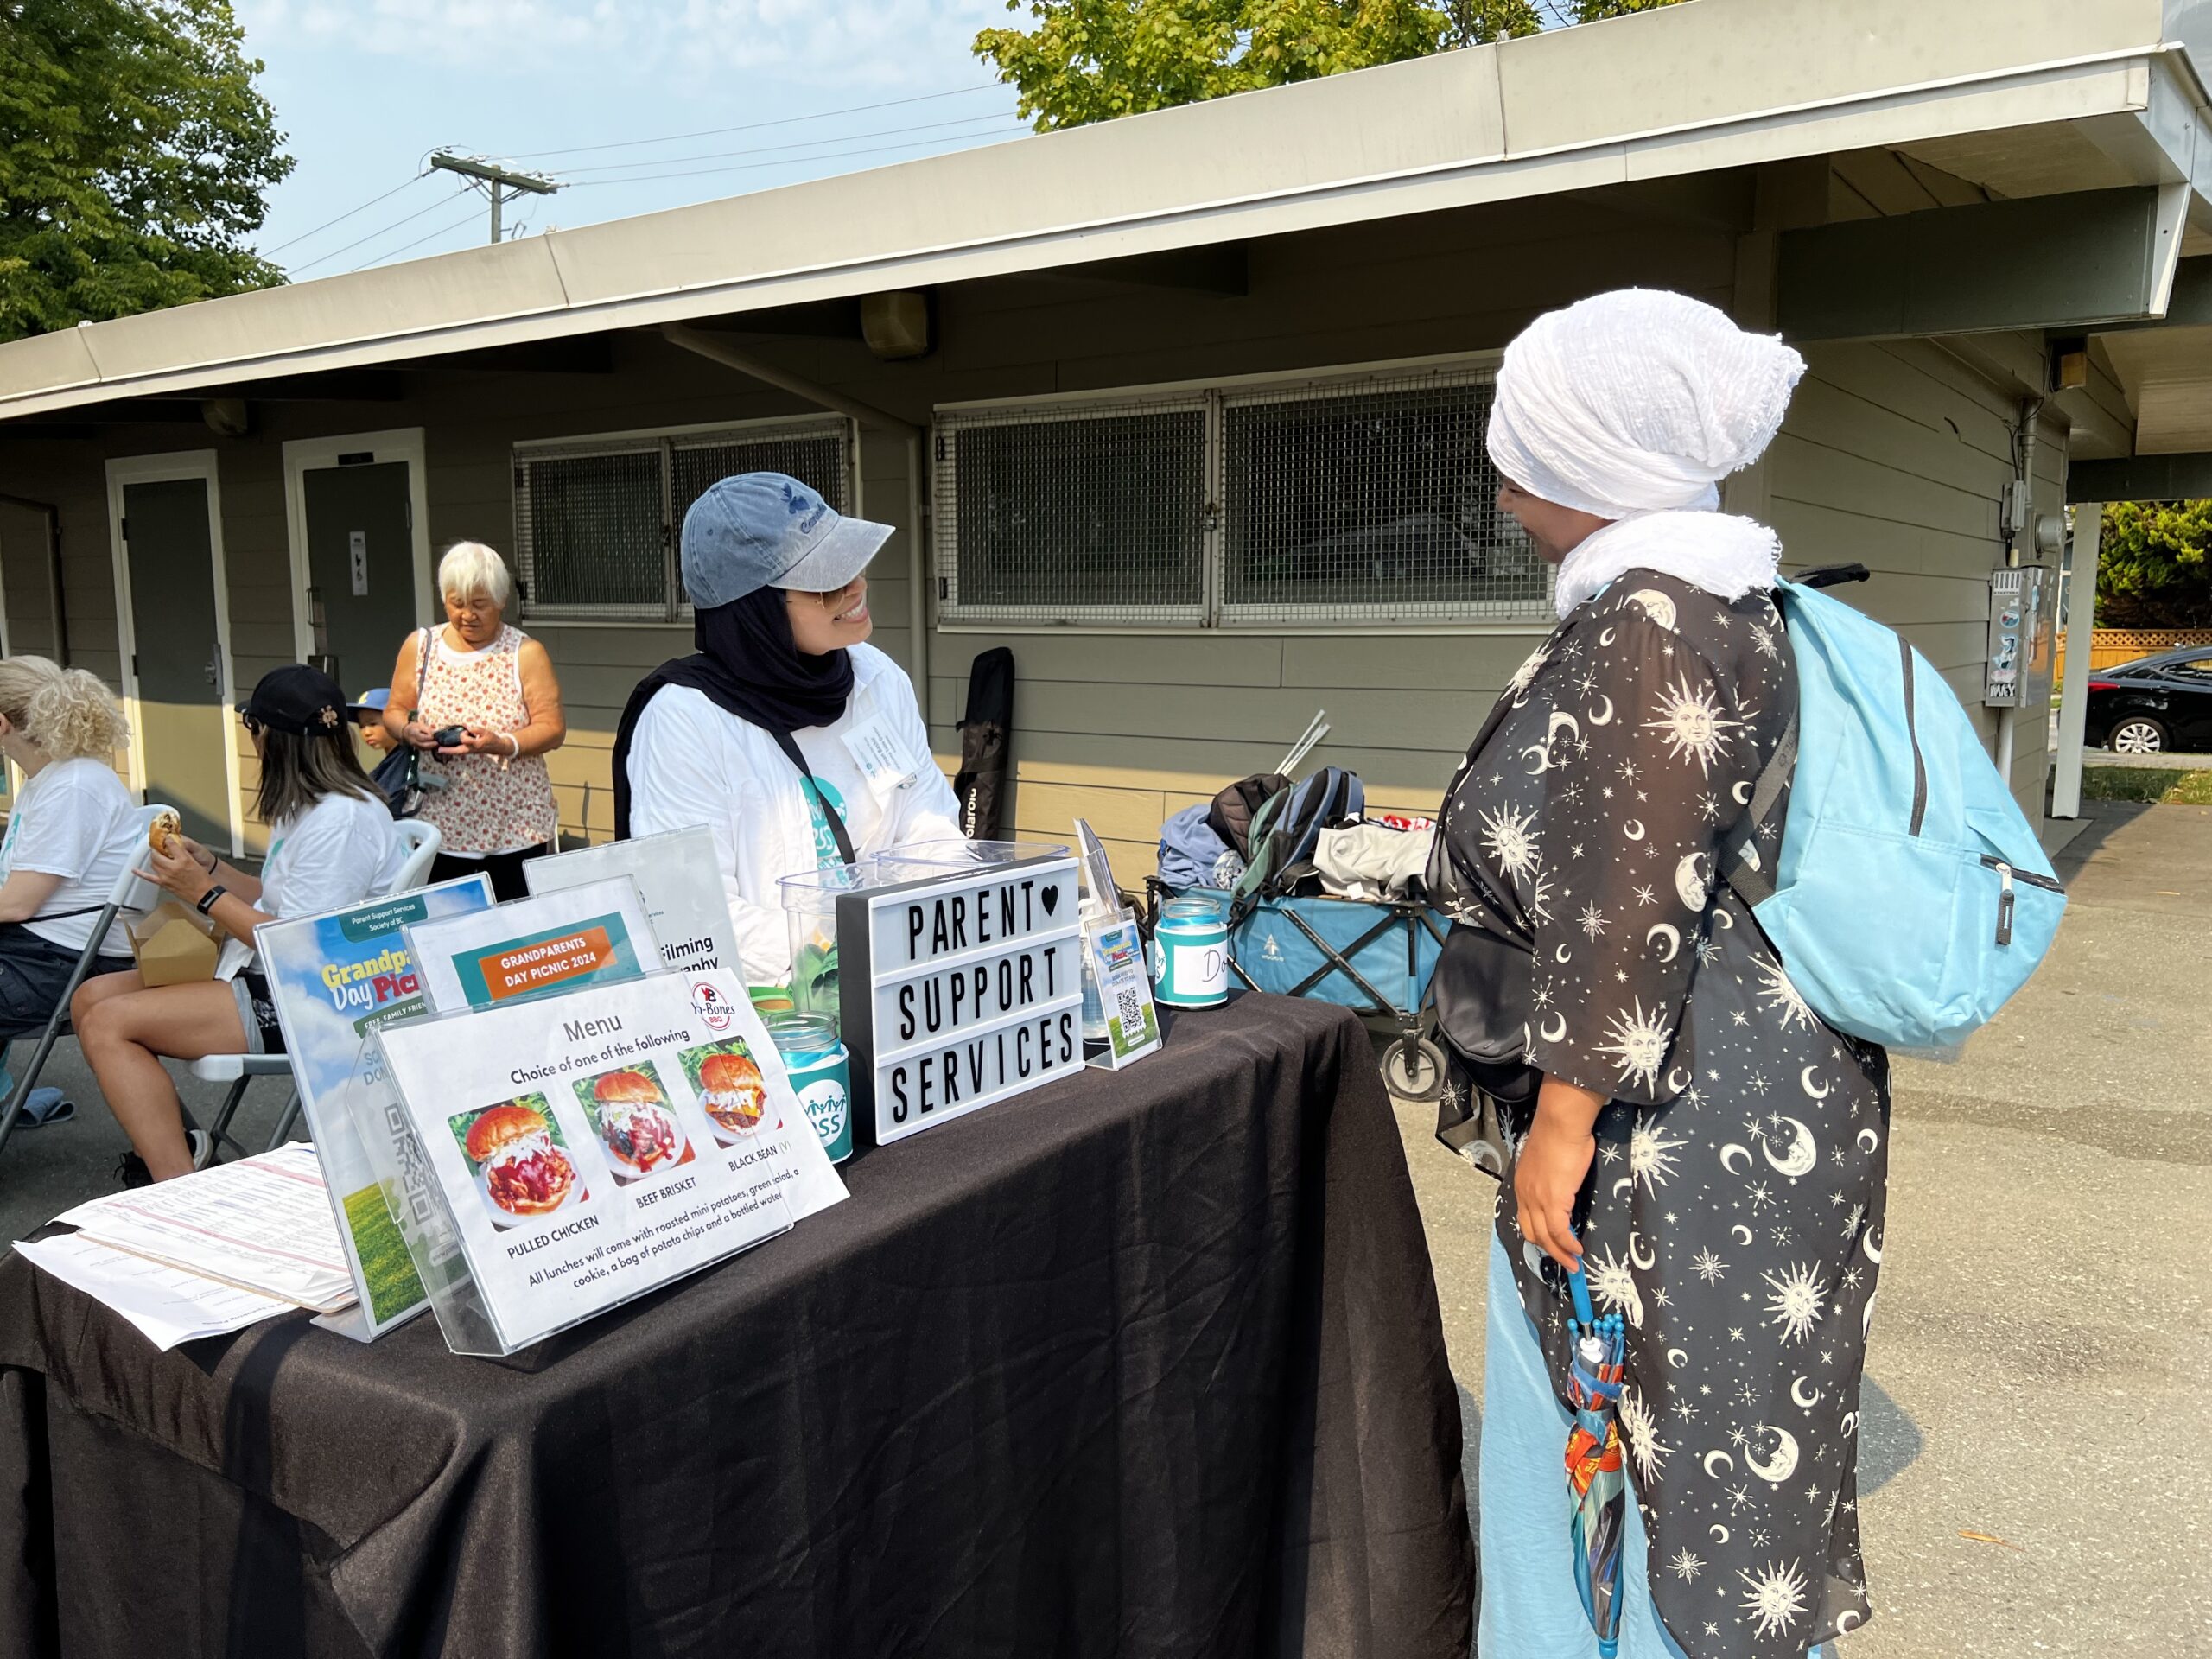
x=1469 y=662
x=1129 y=815
x=1849 y=423
x=1916 y=383
x=1362 y=719
x=1801 y=471
x=1188 y=658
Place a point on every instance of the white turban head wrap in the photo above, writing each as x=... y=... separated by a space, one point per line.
x=1634 y=405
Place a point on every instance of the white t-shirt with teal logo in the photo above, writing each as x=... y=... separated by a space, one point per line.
x=840 y=782
x=75 y=820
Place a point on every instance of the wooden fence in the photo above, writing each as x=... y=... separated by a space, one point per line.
x=2109 y=647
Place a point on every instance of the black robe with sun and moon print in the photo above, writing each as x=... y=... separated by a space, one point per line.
x=1735 y=1210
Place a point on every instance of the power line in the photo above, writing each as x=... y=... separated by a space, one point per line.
x=341 y=217
x=769 y=149
x=754 y=126
x=790 y=160
x=442 y=229
x=325 y=257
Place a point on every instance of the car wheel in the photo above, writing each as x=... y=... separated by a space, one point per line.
x=2138 y=734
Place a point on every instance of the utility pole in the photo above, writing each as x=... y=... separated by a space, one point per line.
x=503 y=184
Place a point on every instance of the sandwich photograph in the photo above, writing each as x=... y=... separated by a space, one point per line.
x=521 y=1165
x=636 y=1127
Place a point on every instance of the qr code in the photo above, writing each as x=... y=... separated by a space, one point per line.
x=1131 y=1014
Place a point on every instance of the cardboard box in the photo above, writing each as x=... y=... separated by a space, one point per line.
x=175 y=945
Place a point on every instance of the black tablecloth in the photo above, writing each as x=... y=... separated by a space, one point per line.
x=1142 y=1364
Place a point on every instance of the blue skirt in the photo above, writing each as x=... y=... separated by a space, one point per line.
x=1530 y=1608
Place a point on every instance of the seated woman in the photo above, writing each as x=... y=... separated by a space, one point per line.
x=70 y=835
x=795 y=742
x=331 y=844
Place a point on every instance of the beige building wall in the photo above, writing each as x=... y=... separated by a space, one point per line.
x=1894 y=454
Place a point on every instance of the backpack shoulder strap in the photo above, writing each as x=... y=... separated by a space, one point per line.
x=1754 y=881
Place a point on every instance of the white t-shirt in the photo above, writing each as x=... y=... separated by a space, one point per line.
x=693 y=763
x=75 y=820
x=341 y=850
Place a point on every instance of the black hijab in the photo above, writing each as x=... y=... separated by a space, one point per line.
x=748 y=664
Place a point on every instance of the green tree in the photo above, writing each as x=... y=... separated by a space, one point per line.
x=2154 y=566
x=1093 y=60
x=135 y=153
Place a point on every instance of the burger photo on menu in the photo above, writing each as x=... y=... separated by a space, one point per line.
x=630 y=1113
x=730 y=1087
x=521 y=1165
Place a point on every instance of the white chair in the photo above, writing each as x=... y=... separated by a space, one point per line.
x=422 y=842
x=129 y=892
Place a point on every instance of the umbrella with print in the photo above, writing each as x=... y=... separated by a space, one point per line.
x=1594 y=1474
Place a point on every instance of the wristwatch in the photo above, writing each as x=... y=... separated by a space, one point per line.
x=206 y=904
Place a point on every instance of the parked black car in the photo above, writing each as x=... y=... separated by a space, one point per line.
x=2153 y=704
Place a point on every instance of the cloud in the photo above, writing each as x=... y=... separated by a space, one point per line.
x=867 y=45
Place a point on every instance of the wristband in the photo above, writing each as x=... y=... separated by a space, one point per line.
x=207 y=900
x=517 y=743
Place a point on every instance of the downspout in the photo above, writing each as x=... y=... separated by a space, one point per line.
x=2021 y=537
x=53 y=570
x=918 y=577
x=715 y=350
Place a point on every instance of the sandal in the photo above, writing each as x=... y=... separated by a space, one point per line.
x=45 y=1106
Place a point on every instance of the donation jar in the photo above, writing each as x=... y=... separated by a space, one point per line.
x=1190 y=955
x=821 y=1074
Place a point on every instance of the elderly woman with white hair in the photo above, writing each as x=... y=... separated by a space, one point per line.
x=1676 y=1120
x=489 y=690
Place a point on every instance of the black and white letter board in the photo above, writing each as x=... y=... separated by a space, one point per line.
x=960 y=990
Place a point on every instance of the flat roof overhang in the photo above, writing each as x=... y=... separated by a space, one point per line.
x=2024 y=97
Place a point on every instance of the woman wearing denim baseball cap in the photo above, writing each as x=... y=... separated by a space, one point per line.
x=794 y=740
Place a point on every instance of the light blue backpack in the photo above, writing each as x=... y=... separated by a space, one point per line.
x=1910 y=898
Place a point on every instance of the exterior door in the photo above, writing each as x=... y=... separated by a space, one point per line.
x=360 y=543
x=177 y=659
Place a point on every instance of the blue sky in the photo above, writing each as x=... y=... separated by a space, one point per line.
x=366 y=88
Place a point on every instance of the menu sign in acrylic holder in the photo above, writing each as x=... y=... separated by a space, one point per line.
x=961 y=986
x=334 y=978
x=551 y=1157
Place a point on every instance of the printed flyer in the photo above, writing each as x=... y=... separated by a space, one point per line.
x=589 y=1146
x=591 y=935
x=679 y=883
x=334 y=978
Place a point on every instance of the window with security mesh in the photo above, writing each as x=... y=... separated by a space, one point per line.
x=588 y=533
x=596 y=521
x=1086 y=516
x=813 y=455
x=1366 y=498
x=1372 y=501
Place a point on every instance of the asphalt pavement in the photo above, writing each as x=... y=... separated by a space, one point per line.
x=2036 y=1441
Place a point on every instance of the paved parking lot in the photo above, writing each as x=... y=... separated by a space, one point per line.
x=2036 y=1434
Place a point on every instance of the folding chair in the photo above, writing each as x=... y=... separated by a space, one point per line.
x=422 y=842
x=132 y=893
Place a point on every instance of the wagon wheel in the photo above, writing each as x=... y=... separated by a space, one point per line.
x=1413 y=1069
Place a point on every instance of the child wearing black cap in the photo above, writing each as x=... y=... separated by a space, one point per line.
x=331 y=844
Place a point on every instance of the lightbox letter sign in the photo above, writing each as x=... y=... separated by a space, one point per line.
x=974 y=991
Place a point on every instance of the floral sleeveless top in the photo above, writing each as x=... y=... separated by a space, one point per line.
x=491 y=803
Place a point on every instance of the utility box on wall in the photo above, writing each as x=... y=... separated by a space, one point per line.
x=2016 y=670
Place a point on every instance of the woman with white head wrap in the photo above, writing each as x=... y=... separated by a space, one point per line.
x=1674 y=1118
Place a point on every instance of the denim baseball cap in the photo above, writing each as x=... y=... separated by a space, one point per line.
x=764 y=530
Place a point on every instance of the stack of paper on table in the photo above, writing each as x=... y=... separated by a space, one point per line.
x=168 y=1304
x=232 y=1244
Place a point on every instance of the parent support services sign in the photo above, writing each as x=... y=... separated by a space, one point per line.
x=962 y=989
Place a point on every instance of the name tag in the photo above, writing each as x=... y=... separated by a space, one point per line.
x=883 y=762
